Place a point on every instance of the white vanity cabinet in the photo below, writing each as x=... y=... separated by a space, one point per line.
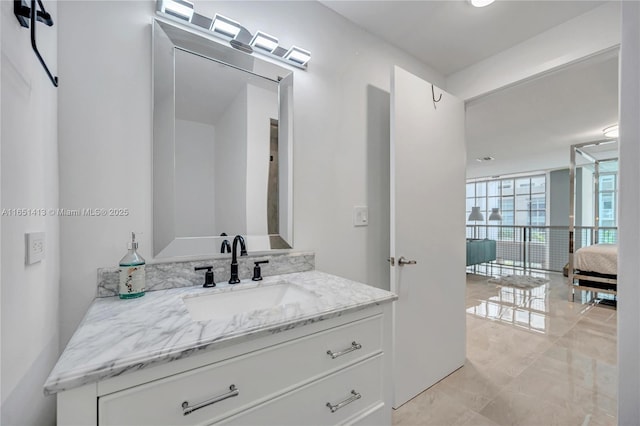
x=334 y=371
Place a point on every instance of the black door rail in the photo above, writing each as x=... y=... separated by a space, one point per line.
x=23 y=12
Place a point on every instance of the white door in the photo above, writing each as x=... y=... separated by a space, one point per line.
x=428 y=157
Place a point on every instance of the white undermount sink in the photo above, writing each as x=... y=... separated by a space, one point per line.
x=225 y=304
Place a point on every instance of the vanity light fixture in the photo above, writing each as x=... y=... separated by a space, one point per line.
x=298 y=55
x=179 y=8
x=611 y=131
x=234 y=33
x=481 y=3
x=264 y=41
x=225 y=26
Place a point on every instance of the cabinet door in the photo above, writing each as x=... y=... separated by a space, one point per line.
x=346 y=394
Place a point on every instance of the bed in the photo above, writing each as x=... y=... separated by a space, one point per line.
x=596 y=268
x=600 y=258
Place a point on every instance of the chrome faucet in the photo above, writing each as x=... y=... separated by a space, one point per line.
x=234 y=260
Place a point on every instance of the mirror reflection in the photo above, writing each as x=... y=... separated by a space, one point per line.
x=219 y=163
x=226 y=139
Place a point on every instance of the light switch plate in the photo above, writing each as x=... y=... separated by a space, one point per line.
x=360 y=216
x=35 y=247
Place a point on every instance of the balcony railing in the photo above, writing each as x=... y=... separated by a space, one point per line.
x=543 y=248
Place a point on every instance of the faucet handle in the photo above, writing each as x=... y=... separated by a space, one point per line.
x=208 y=276
x=257 y=273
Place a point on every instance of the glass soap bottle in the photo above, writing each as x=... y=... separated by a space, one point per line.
x=132 y=278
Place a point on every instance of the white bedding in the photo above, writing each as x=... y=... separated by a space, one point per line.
x=601 y=258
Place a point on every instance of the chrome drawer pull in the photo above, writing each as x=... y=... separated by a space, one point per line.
x=233 y=391
x=354 y=397
x=354 y=347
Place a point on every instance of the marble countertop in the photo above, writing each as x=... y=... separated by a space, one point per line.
x=117 y=336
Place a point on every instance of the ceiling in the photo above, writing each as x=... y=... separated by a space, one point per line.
x=205 y=88
x=528 y=126
x=452 y=35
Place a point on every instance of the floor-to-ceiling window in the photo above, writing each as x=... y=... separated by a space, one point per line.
x=521 y=200
x=607 y=205
x=608 y=202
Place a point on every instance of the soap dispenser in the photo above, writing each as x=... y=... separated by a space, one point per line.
x=132 y=277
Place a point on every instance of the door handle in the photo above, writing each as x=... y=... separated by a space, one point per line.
x=402 y=261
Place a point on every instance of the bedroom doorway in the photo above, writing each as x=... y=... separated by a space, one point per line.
x=539 y=120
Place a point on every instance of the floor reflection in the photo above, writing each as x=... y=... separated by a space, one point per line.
x=533 y=358
x=524 y=308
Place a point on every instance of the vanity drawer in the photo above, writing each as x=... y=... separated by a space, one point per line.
x=374 y=416
x=255 y=377
x=354 y=393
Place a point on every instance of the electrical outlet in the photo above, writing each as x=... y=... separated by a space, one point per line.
x=35 y=247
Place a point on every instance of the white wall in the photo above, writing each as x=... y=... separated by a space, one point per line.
x=231 y=167
x=558 y=191
x=104 y=113
x=628 y=265
x=105 y=121
x=262 y=105
x=194 y=162
x=29 y=177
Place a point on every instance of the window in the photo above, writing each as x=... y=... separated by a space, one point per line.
x=522 y=201
x=607 y=199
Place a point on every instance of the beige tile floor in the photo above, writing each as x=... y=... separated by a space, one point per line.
x=533 y=358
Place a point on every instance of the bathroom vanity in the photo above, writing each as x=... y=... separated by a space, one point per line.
x=300 y=348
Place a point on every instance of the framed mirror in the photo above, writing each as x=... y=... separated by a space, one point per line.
x=222 y=146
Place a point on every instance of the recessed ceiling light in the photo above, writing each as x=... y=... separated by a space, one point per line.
x=487 y=158
x=611 y=131
x=481 y=3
